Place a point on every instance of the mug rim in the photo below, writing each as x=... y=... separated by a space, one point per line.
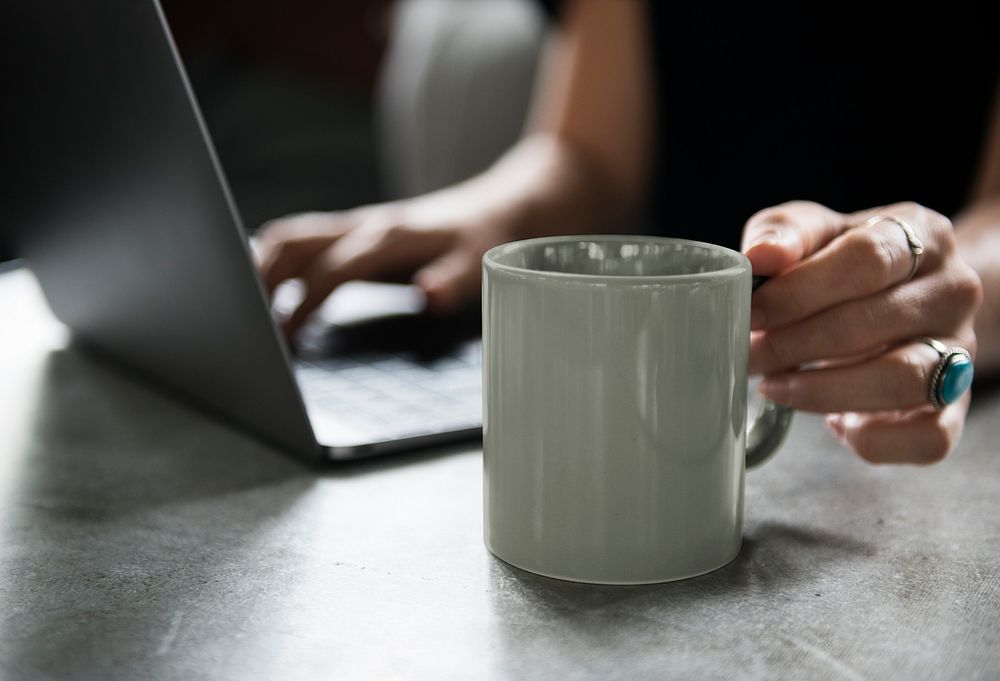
x=491 y=262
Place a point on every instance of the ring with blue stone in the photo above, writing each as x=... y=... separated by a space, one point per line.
x=952 y=376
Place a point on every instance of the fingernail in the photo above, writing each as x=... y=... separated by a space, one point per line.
x=765 y=238
x=776 y=388
x=835 y=424
x=772 y=237
x=758 y=320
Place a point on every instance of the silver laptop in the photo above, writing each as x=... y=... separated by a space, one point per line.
x=124 y=215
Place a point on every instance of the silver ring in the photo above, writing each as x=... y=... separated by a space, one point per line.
x=952 y=376
x=916 y=246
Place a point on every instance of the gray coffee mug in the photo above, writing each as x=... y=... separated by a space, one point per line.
x=615 y=399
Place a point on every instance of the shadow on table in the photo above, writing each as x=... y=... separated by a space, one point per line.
x=119 y=507
x=89 y=417
x=774 y=555
x=99 y=445
x=555 y=617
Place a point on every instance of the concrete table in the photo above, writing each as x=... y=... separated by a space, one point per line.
x=140 y=539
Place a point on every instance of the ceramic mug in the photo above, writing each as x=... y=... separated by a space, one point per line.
x=615 y=406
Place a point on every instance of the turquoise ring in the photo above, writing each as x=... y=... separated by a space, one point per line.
x=952 y=376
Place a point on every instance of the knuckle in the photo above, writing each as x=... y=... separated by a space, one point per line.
x=968 y=288
x=947 y=243
x=941 y=223
x=908 y=382
x=394 y=231
x=910 y=208
x=944 y=233
x=873 y=258
x=937 y=226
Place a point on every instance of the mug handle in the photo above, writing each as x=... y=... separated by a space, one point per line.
x=770 y=426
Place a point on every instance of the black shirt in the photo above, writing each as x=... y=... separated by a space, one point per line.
x=758 y=105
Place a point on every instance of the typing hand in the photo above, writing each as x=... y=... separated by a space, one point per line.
x=438 y=243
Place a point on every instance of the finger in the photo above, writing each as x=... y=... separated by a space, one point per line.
x=336 y=264
x=451 y=281
x=921 y=436
x=865 y=259
x=375 y=254
x=285 y=246
x=897 y=379
x=932 y=306
x=776 y=238
x=288 y=259
x=936 y=231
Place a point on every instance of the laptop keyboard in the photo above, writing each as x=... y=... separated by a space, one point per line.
x=394 y=396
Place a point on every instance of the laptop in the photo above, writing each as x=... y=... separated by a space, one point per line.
x=122 y=211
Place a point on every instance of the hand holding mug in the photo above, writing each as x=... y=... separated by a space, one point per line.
x=863 y=319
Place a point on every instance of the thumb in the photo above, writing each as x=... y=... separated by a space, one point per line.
x=450 y=281
x=776 y=238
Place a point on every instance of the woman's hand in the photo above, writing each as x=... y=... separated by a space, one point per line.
x=434 y=241
x=580 y=169
x=835 y=330
x=541 y=186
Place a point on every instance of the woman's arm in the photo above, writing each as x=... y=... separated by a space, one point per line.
x=581 y=167
x=978 y=232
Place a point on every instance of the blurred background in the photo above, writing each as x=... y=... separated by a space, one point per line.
x=316 y=105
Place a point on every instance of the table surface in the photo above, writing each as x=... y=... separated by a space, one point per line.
x=141 y=539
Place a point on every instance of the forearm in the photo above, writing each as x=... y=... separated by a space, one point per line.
x=978 y=233
x=543 y=185
x=582 y=165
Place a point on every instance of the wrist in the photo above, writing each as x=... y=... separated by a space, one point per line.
x=559 y=190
